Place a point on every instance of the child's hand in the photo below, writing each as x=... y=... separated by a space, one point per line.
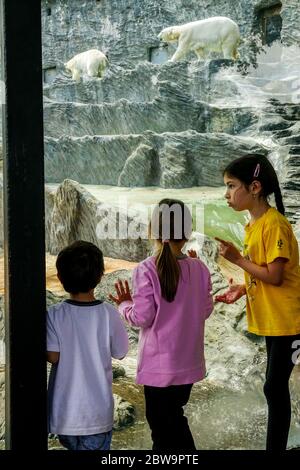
x=123 y=292
x=235 y=292
x=192 y=253
x=229 y=251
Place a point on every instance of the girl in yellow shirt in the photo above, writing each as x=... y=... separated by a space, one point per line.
x=270 y=262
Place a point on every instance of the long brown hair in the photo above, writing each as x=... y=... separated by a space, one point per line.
x=171 y=221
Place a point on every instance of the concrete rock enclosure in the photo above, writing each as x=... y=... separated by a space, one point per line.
x=149 y=123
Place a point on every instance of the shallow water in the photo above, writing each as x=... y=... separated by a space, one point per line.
x=211 y=215
x=219 y=417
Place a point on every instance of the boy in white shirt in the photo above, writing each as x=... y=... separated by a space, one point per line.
x=83 y=334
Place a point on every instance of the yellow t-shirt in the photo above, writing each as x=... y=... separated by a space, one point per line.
x=273 y=310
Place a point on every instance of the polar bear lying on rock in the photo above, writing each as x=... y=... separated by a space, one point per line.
x=92 y=63
x=217 y=34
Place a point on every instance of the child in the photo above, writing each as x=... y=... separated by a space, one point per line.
x=83 y=334
x=170 y=303
x=272 y=281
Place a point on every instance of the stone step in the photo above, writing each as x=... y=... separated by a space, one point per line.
x=292 y=167
x=292 y=185
x=294 y=150
x=274 y=123
x=293 y=160
x=135 y=85
x=282 y=134
x=139 y=84
x=292 y=175
x=293 y=140
x=171 y=112
x=182 y=159
x=289 y=111
x=123 y=117
x=294 y=129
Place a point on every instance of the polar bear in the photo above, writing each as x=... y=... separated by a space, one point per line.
x=92 y=63
x=218 y=34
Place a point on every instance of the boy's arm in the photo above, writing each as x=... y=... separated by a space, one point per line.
x=52 y=357
x=52 y=340
x=119 y=337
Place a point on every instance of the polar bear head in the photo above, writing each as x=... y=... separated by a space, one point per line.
x=68 y=65
x=169 y=34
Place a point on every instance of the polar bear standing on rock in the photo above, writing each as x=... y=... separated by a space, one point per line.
x=92 y=63
x=216 y=34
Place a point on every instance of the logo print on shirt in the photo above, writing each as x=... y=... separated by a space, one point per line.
x=245 y=253
x=279 y=244
x=251 y=284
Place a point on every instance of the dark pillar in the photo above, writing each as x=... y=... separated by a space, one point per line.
x=26 y=410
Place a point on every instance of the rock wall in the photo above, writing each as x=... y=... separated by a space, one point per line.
x=290 y=22
x=168 y=160
x=153 y=123
x=127 y=30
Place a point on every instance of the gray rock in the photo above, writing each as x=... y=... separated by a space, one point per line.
x=77 y=215
x=52 y=298
x=290 y=17
x=124 y=413
x=141 y=168
x=118 y=371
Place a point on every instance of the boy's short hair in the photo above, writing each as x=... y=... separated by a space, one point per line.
x=80 y=267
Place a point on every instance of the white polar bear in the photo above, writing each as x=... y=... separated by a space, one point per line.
x=218 y=34
x=92 y=63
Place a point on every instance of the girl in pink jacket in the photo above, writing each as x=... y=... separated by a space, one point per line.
x=170 y=302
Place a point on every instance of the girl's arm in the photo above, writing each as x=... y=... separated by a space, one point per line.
x=235 y=292
x=140 y=309
x=272 y=273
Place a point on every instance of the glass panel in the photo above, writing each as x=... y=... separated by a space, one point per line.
x=2 y=332
x=145 y=124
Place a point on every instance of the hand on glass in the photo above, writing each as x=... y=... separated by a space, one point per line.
x=192 y=253
x=123 y=292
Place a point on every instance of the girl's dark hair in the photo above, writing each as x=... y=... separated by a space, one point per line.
x=80 y=267
x=171 y=221
x=253 y=167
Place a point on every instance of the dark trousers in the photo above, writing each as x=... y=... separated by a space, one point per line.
x=276 y=389
x=164 y=412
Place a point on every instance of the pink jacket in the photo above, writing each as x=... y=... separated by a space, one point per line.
x=171 y=342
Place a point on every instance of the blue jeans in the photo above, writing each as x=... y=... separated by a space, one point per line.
x=90 y=442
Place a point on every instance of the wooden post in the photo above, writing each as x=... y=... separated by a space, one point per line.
x=24 y=233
